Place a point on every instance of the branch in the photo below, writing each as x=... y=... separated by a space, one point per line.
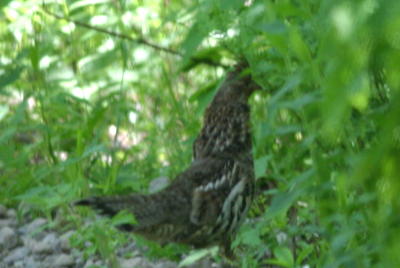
x=140 y=40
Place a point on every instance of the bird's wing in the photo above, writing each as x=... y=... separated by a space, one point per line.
x=217 y=186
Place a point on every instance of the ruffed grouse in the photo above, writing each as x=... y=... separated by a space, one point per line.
x=206 y=203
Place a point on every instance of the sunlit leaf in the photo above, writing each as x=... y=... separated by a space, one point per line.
x=197 y=255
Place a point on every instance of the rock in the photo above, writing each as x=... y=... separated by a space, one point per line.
x=92 y=262
x=130 y=249
x=48 y=260
x=166 y=264
x=19 y=264
x=64 y=260
x=3 y=212
x=22 y=230
x=28 y=242
x=205 y=262
x=98 y=262
x=17 y=254
x=30 y=262
x=34 y=227
x=89 y=263
x=64 y=239
x=53 y=240
x=6 y=223
x=135 y=262
x=8 y=238
x=11 y=213
x=41 y=247
x=79 y=261
x=65 y=245
x=49 y=244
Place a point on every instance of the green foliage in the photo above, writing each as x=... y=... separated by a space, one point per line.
x=87 y=112
x=95 y=239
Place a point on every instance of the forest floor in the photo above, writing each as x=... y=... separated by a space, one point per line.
x=30 y=243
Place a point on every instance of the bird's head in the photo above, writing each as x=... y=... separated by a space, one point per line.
x=238 y=85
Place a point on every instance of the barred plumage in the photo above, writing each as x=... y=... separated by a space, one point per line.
x=206 y=204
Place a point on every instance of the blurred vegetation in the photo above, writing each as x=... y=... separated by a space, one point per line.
x=102 y=97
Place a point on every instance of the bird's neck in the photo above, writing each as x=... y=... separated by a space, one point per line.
x=226 y=131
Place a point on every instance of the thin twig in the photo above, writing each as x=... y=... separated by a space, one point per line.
x=140 y=40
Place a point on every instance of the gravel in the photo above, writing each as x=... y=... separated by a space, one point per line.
x=33 y=244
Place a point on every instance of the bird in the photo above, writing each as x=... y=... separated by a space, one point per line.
x=206 y=204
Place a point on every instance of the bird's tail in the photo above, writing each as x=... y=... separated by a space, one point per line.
x=143 y=207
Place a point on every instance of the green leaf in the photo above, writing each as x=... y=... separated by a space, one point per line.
x=281 y=202
x=197 y=255
x=7 y=134
x=276 y=262
x=10 y=76
x=229 y=4
x=260 y=165
x=303 y=254
x=209 y=55
x=284 y=256
x=84 y=3
x=276 y=27
x=299 y=46
x=4 y=3
x=286 y=129
x=300 y=102
x=95 y=62
x=192 y=41
x=123 y=217
x=252 y=237
x=94 y=148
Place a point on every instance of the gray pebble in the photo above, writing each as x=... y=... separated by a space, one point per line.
x=79 y=261
x=34 y=226
x=19 y=264
x=166 y=264
x=130 y=249
x=53 y=240
x=6 y=223
x=98 y=262
x=64 y=239
x=28 y=242
x=48 y=260
x=42 y=248
x=135 y=262
x=89 y=263
x=30 y=262
x=49 y=249
x=8 y=238
x=11 y=213
x=17 y=254
x=92 y=262
x=22 y=230
x=64 y=260
x=3 y=211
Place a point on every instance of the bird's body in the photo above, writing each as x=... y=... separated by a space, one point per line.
x=206 y=204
